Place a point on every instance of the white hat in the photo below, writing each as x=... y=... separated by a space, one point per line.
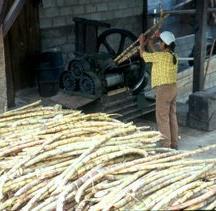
x=167 y=37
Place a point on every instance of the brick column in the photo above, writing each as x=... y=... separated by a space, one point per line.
x=3 y=84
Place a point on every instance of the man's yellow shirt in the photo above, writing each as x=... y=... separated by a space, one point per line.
x=163 y=69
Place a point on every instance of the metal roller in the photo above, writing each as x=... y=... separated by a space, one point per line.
x=114 y=79
x=90 y=84
x=69 y=82
x=78 y=66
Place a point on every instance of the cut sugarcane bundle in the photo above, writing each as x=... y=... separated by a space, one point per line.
x=53 y=158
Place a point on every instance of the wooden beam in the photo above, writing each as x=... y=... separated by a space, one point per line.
x=12 y=15
x=181 y=12
x=3 y=83
x=182 y=4
x=200 y=45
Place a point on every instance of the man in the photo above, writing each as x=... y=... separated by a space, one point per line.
x=163 y=80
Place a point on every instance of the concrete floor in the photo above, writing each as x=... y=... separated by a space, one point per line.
x=193 y=139
x=190 y=139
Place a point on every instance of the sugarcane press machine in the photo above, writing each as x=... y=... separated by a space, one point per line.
x=116 y=86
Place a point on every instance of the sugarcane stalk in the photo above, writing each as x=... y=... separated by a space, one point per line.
x=122 y=166
x=154 y=27
x=169 y=195
x=192 y=192
x=162 y=179
x=81 y=206
x=19 y=201
x=158 y=166
x=34 y=104
x=112 y=196
x=12 y=172
x=36 y=181
x=82 y=189
x=86 y=156
x=150 y=186
x=201 y=205
x=177 y=193
x=26 y=115
x=70 y=188
x=7 y=203
x=34 y=167
x=211 y=205
x=103 y=186
x=197 y=200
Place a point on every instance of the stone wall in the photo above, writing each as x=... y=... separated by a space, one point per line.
x=57 y=26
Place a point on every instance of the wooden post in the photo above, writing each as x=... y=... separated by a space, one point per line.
x=2 y=11
x=145 y=16
x=3 y=84
x=200 y=45
x=12 y=15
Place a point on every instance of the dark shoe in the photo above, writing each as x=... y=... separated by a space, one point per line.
x=174 y=147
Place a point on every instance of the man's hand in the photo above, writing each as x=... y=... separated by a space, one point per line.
x=156 y=34
x=142 y=40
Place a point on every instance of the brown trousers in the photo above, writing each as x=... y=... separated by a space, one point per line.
x=166 y=114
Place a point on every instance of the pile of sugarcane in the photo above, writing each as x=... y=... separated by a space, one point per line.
x=53 y=158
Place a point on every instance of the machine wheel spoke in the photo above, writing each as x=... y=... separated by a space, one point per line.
x=122 y=44
x=109 y=48
x=110 y=33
